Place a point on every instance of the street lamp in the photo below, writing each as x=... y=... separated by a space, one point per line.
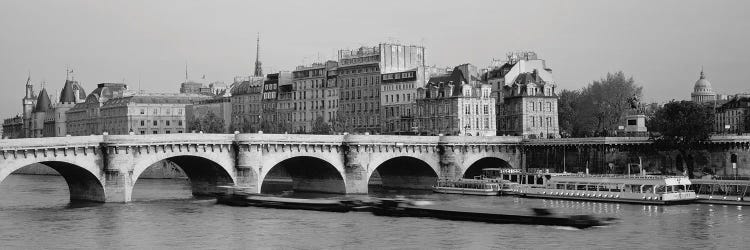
x=726 y=128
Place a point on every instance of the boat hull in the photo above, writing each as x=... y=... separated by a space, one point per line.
x=466 y=214
x=284 y=203
x=467 y=191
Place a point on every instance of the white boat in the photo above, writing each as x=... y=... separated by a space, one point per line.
x=467 y=186
x=646 y=189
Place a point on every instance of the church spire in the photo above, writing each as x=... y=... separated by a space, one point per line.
x=258 y=64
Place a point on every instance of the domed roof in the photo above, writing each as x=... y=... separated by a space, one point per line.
x=702 y=85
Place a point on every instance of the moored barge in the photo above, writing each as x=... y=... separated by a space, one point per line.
x=724 y=192
x=404 y=208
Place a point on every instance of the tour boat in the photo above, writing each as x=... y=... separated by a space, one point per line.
x=467 y=186
x=726 y=192
x=645 y=189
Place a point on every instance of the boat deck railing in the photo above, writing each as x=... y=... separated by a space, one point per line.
x=643 y=177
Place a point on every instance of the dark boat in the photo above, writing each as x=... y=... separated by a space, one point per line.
x=246 y=200
x=404 y=208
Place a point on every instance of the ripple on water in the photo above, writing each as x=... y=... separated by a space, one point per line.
x=164 y=216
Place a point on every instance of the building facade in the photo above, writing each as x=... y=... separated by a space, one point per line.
x=733 y=117
x=308 y=93
x=450 y=105
x=331 y=98
x=85 y=117
x=147 y=113
x=398 y=99
x=529 y=108
x=521 y=104
x=359 y=74
x=247 y=106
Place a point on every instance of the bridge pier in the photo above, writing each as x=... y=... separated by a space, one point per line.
x=356 y=175
x=117 y=186
x=449 y=162
x=118 y=171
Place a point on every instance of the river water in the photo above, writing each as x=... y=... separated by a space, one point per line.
x=35 y=214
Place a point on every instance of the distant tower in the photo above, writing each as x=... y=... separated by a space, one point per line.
x=29 y=99
x=258 y=65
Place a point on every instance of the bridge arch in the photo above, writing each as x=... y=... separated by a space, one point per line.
x=404 y=172
x=307 y=173
x=475 y=168
x=205 y=172
x=83 y=179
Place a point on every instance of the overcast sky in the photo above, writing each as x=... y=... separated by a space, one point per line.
x=662 y=44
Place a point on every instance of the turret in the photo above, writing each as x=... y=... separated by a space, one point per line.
x=29 y=100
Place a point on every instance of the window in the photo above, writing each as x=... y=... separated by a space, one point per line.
x=167 y=123
x=156 y=132
x=143 y=111
x=155 y=123
x=143 y=123
x=167 y=131
x=486 y=110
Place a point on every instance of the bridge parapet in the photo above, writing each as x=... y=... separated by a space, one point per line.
x=165 y=139
x=288 y=139
x=50 y=142
x=480 y=140
x=392 y=140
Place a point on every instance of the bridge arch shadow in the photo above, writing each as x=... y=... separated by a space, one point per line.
x=204 y=175
x=403 y=172
x=303 y=174
x=475 y=169
x=83 y=185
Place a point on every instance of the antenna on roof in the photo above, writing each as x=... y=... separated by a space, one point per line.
x=186 y=71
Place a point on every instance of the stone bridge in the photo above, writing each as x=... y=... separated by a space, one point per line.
x=105 y=168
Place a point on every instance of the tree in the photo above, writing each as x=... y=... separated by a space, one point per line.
x=340 y=125
x=599 y=107
x=212 y=123
x=567 y=114
x=320 y=126
x=681 y=126
x=209 y=123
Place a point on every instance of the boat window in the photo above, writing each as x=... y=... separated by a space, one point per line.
x=540 y=180
x=560 y=186
x=570 y=186
x=660 y=189
x=592 y=187
x=648 y=189
x=581 y=187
